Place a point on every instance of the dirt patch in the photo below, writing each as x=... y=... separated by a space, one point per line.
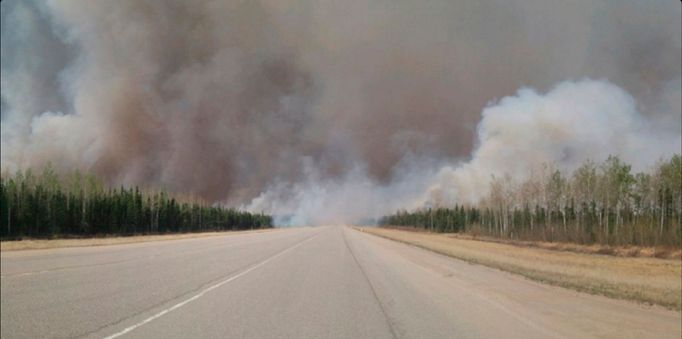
x=645 y=279
x=37 y=244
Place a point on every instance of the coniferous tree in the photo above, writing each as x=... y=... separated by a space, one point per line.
x=47 y=206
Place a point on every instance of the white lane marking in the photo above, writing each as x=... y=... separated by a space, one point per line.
x=204 y=291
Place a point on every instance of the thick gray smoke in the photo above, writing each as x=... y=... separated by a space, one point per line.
x=335 y=111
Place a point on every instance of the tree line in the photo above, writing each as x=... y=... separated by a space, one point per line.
x=48 y=205
x=601 y=203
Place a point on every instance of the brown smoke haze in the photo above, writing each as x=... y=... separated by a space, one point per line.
x=336 y=111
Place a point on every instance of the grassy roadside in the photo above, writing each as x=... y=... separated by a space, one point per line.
x=664 y=252
x=649 y=280
x=37 y=244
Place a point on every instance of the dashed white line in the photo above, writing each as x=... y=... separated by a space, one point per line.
x=206 y=290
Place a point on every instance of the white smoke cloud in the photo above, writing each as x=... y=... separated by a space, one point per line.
x=573 y=122
x=354 y=198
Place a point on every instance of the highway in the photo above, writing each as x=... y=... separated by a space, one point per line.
x=315 y=282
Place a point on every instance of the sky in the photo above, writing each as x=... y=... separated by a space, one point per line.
x=335 y=112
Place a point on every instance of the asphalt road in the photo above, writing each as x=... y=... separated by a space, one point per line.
x=325 y=282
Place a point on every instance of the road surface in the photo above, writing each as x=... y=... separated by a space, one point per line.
x=324 y=282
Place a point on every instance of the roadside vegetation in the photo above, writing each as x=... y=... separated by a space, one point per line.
x=48 y=205
x=649 y=280
x=602 y=203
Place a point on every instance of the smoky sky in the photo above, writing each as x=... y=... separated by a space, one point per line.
x=251 y=103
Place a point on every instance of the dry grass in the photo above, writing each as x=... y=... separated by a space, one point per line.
x=36 y=244
x=664 y=252
x=645 y=279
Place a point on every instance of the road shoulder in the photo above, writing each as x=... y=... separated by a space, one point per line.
x=648 y=280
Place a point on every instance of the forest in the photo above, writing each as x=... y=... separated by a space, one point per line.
x=602 y=203
x=48 y=205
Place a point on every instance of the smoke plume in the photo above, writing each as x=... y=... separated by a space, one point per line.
x=335 y=112
x=574 y=122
